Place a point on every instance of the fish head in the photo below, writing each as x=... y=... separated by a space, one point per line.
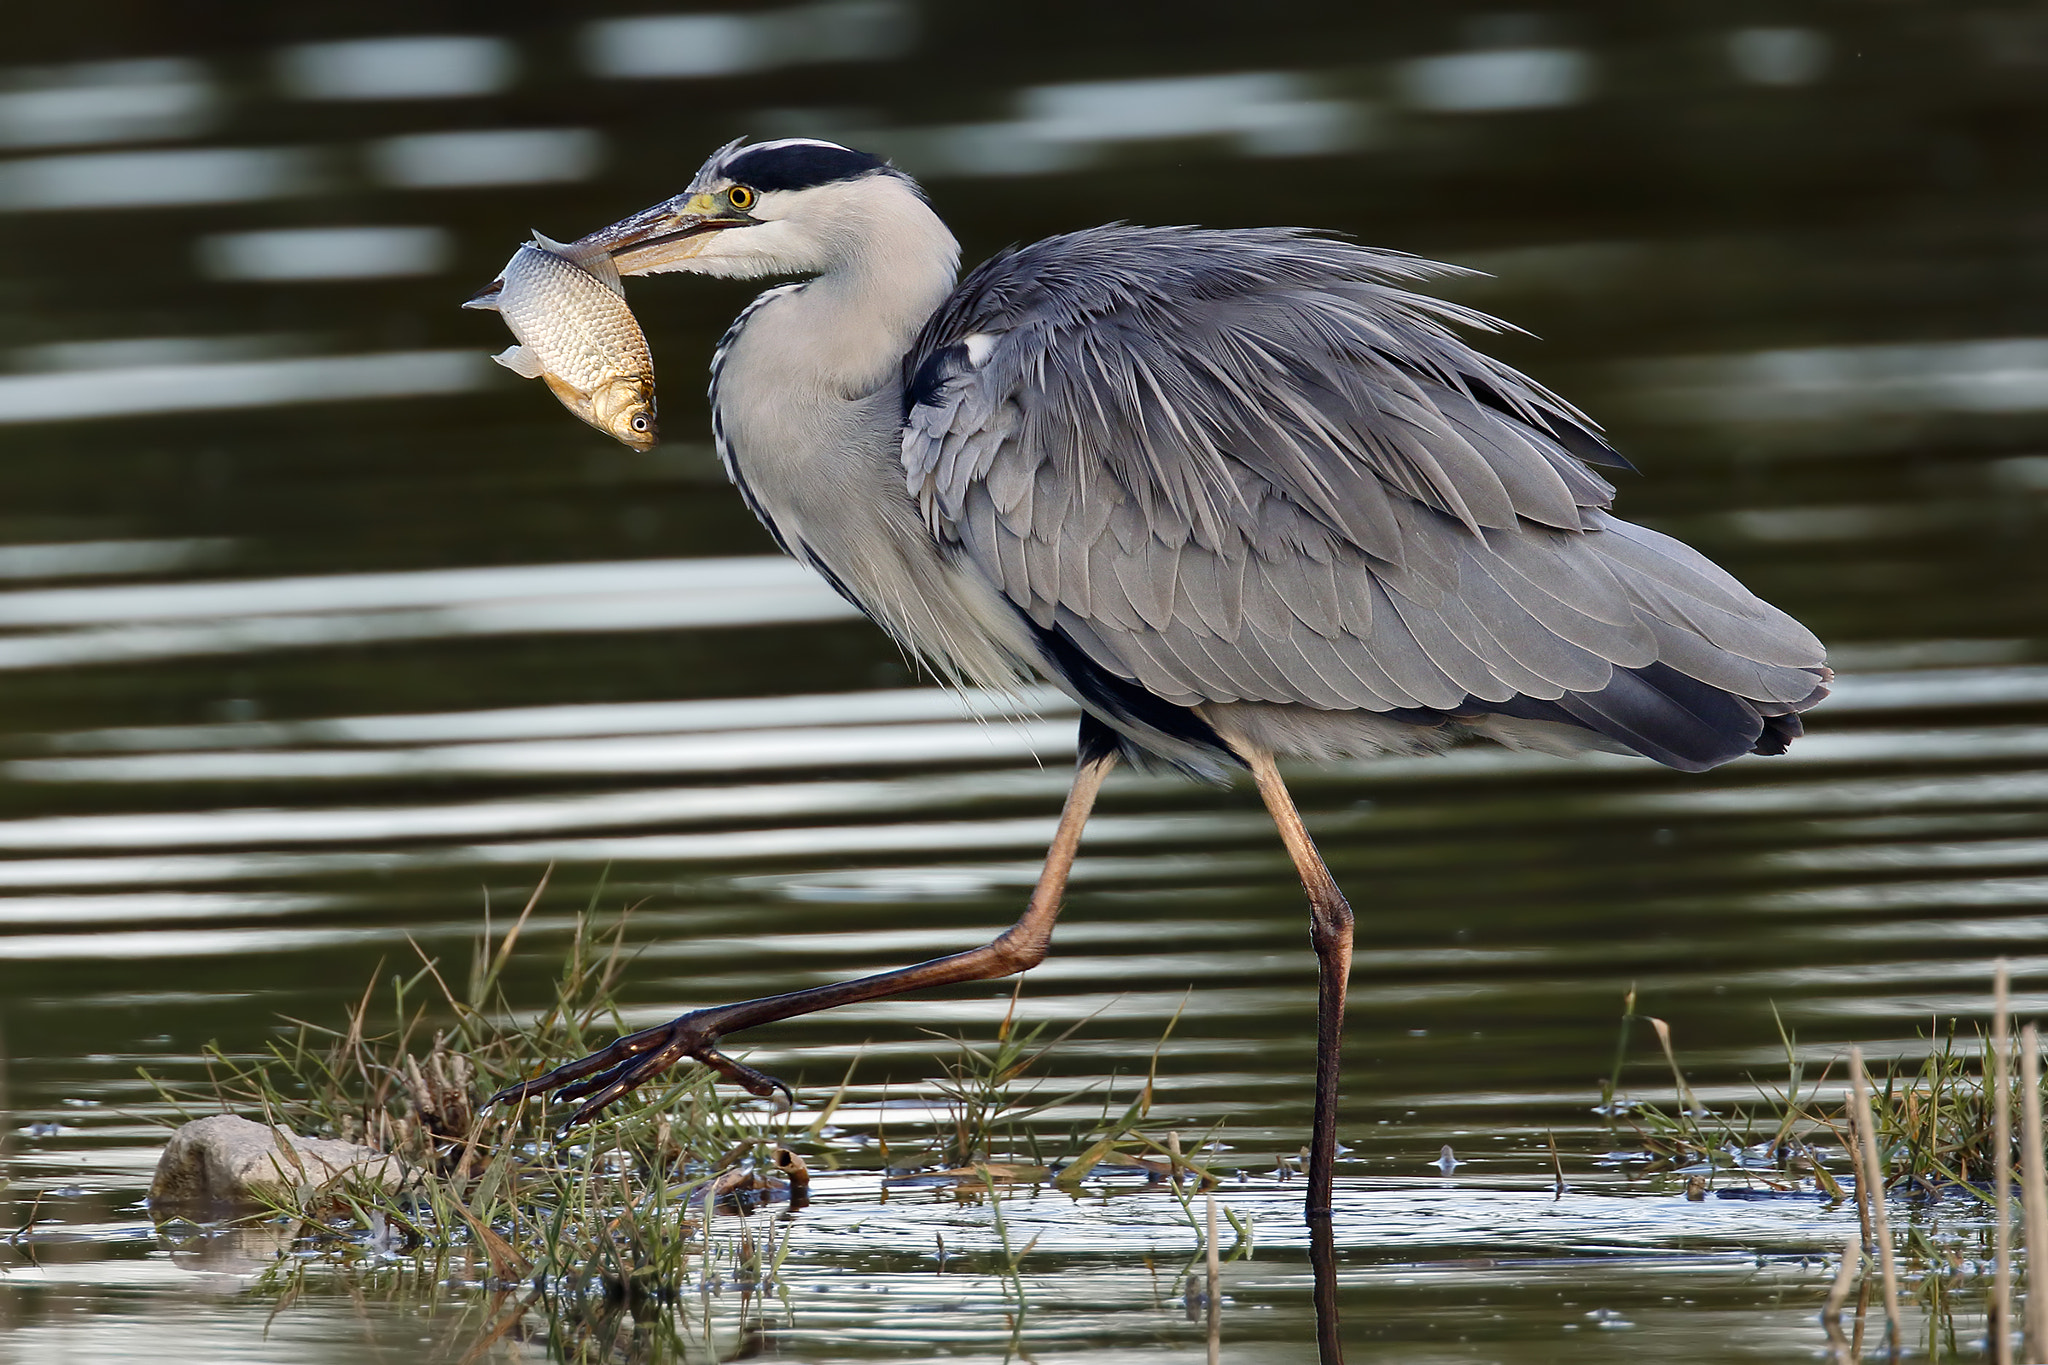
x=623 y=409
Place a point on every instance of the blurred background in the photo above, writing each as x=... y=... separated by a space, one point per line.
x=319 y=631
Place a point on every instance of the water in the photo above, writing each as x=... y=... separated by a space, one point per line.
x=318 y=634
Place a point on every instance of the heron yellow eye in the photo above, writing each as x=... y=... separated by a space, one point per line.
x=740 y=197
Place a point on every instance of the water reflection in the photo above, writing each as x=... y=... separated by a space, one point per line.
x=512 y=156
x=143 y=180
x=137 y=390
x=112 y=558
x=1779 y=56
x=249 y=617
x=666 y=46
x=2004 y=374
x=336 y=253
x=398 y=68
x=1497 y=80
x=122 y=101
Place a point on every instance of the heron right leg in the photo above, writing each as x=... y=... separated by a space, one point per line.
x=1329 y=932
x=637 y=1058
x=1330 y=929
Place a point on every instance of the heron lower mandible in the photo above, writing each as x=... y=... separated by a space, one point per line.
x=1240 y=494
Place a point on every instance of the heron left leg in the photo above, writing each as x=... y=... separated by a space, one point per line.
x=637 y=1058
x=1329 y=930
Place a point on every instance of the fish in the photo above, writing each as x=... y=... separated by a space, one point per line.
x=575 y=333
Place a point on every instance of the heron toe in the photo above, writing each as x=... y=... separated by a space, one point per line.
x=630 y=1062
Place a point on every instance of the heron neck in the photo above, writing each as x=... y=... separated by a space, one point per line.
x=862 y=313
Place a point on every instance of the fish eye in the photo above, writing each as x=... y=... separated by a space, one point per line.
x=640 y=422
x=740 y=197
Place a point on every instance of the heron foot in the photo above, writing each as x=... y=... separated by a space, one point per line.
x=606 y=1075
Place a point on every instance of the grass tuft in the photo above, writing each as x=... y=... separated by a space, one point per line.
x=1937 y=1131
x=610 y=1230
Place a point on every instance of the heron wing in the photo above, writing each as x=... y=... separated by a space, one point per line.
x=1251 y=466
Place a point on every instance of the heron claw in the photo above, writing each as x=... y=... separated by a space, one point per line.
x=630 y=1062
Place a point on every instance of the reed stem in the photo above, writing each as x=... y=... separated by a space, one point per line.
x=1215 y=1289
x=1838 y=1294
x=2033 y=1190
x=2000 y=1082
x=1873 y=1161
x=1854 y=1120
x=1845 y=1277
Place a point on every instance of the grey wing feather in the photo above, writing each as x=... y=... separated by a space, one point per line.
x=1252 y=466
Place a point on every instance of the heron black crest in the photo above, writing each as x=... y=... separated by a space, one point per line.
x=799 y=164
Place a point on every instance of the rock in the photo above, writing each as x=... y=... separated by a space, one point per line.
x=229 y=1160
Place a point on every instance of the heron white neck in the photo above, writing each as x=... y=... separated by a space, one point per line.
x=890 y=263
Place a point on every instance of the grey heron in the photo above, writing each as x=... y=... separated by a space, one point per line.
x=1243 y=495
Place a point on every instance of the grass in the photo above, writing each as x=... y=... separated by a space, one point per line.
x=1933 y=1122
x=606 y=1228
x=1938 y=1131
x=621 y=1234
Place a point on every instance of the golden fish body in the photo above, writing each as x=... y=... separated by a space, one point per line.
x=577 y=336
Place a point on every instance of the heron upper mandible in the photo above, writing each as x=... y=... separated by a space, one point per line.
x=1240 y=494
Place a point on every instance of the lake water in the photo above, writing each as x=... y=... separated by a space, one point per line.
x=319 y=634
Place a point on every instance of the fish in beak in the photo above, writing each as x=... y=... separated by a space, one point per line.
x=576 y=334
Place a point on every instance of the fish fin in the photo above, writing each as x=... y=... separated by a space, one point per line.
x=595 y=262
x=520 y=360
x=487 y=297
x=571 y=397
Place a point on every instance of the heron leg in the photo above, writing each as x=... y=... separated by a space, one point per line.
x=1330 y=929
x=637 y=1058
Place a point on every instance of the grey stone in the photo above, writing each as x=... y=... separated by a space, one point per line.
x=230 y=1160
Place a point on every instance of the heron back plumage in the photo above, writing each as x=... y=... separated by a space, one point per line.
x=1251 y=477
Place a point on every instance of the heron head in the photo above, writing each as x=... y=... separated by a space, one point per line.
x=793 y=206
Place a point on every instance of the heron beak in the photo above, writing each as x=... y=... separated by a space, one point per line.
x=663 y=237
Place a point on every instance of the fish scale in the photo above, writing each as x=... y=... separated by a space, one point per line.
x=579 y=328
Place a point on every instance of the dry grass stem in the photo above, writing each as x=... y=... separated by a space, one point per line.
x=1880 y=1222
x=1845 y=1280
x=1999 y=1063
x=2033 y=1191
x=1860 y=1168
x=1215 y=1289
